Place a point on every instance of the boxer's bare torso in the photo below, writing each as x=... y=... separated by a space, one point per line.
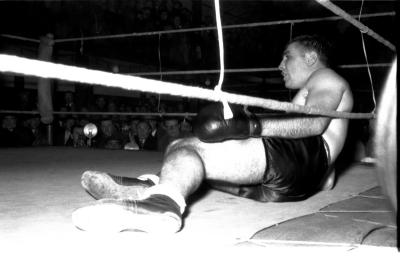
x=337 y=93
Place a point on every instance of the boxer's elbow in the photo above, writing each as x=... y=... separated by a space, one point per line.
x=321 y=124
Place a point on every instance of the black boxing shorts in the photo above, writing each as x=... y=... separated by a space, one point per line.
x=296 y=169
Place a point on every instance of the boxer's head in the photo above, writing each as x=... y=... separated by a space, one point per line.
x=317 y=44
x=302 y=56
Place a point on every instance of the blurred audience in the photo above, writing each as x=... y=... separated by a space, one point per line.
x=171 y=131
x=12 y=135
x=186 y=127
x=68 y=102
x=63 y=135
x=36 y=132
x=79 y=140
x=108 y=137
x=114 y=132
x=143 y=140
x=24 y=101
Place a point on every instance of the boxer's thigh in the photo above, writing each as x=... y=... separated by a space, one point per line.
x=235 y=161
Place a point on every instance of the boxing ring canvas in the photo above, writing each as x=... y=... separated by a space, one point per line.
x=40 y=188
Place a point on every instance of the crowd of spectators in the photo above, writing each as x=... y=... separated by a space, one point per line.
x=115 y=131
x=123 y=132
x=197 y=50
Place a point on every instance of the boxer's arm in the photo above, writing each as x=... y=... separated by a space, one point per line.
x=325 y=92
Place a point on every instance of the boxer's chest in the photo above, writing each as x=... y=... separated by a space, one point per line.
x=301 y=97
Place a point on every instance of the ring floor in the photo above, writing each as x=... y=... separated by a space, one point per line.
x=40 y=188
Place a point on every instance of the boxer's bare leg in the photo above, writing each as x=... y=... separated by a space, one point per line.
x=189 y=161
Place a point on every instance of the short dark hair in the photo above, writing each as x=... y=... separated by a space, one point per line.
x=318 y=44
x=169 y=118
x=143 y=121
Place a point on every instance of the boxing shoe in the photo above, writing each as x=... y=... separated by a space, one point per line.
x=157 y=213
x=104 y=185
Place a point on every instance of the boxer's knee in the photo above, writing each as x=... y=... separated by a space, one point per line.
x=182 y=143
x=185 y=154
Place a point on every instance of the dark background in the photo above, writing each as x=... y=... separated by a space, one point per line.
x=244 y=48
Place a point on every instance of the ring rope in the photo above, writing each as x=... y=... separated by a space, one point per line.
x=25 y=66
x=150 y=114
x=20 y=38
x=246 y=70
x=154 y=114
x=364 y=29
x=244 y=25
x=366 y=60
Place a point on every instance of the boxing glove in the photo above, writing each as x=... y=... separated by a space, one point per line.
x=210 y=125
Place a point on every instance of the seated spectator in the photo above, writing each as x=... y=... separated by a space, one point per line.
x=68 y=103
x=171 y=131
x=186 y=127
x=125 y=131
x=153 y=124
x=133 y=126
x=36 y=131
x=83 y=119
x=100 y=106
x=25 y=101
x=63 y=134
x=11 y=135
x=109 y=137
x=112 y=107
x=130 y=135
x=143 y=140
x=131 y=144
x=61 y=118
x=79 y=139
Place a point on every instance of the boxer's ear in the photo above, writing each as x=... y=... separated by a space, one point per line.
x=311 y=58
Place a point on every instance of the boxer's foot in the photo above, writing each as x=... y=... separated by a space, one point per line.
x=103 y=185
x=155 y=214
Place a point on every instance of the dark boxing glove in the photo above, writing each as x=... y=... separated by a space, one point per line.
x=210 y=125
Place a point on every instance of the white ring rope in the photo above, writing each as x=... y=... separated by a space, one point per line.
x=366 y=60
x=247 y=70
x=227 y=110
x=150 y=114
x=236 y=26
x=220 y=46
x=25 y=66
x=144 y=114
x=337 y=10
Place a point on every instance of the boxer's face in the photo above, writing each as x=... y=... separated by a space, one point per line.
x=294 y=67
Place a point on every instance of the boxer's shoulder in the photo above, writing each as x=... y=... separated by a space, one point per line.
x=326 y=77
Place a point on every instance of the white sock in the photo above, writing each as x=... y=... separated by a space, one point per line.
x=155 y=179
x=169 y=191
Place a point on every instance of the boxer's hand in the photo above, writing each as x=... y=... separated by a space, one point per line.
x=210 y=125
